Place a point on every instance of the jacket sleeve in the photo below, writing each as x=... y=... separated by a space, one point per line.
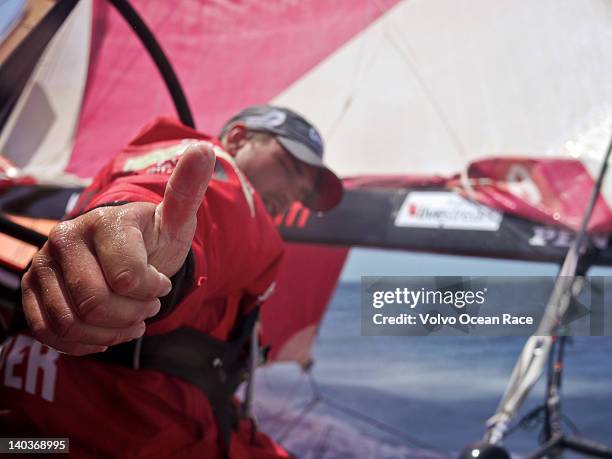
x=233 y=249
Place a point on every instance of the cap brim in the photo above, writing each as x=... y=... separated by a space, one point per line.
x=328 y=193
x=300 y=151
x=329 y=189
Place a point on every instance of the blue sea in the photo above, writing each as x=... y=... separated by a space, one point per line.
x=438 y=391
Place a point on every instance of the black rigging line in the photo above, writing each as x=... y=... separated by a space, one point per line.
x=159 y=57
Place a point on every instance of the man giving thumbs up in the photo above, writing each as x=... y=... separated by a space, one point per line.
x=141 y=305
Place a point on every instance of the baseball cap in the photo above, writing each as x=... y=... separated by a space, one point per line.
x=300 y=139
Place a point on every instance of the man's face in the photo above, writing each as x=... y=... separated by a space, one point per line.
x=278 y=177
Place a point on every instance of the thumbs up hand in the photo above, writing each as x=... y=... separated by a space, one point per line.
x=100 y=275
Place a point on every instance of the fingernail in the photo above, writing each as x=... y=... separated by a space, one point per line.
x=141 y=331
x=166 y=285
x=156 y=308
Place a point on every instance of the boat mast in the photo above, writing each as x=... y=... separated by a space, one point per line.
x=536 y=351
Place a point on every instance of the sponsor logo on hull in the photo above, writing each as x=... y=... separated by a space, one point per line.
x=445 y=210
x=547 y=236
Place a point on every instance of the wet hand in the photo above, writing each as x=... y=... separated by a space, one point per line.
x=100 y=275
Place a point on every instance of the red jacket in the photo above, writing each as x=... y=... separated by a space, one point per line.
x=108 y=410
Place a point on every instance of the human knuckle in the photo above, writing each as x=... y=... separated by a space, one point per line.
x=40 y=268
x=92 y=305
x=100 y=215
x=125 y=280
x=62 y=324
x=60 y=235
x=37 y=271
x=97 y=213
x=177 y=192
x=108 y=218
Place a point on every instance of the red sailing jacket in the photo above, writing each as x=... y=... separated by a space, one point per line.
x=112 y=411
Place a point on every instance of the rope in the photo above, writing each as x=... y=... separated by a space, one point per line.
x=287 y=402
x=318 y=398
x=356 y=77
x=427 y=91
x=298 y=419
x=535 y=418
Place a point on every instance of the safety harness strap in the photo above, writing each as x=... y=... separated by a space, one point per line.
x=216 y=367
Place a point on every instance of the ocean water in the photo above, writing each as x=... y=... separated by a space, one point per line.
x=437 y=391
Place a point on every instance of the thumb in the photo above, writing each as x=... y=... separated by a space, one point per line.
x=184 y=193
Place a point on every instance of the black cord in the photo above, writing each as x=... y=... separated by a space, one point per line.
x=159 y=57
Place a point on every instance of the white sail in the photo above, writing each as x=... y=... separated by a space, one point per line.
x=432 y=85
